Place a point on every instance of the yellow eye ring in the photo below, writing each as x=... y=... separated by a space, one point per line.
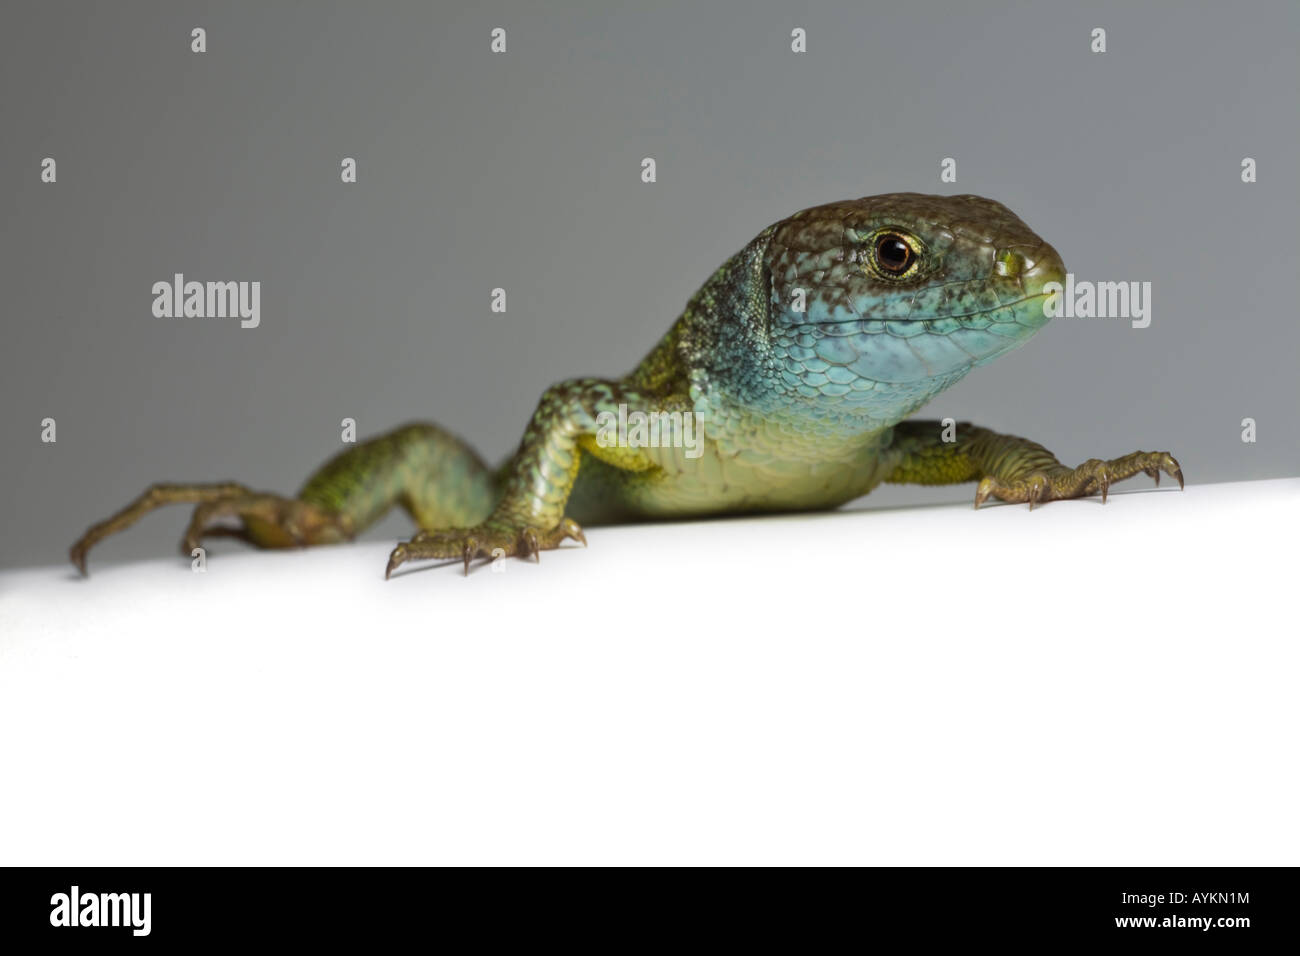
x=892 y=255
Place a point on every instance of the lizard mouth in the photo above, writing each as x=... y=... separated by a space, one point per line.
x=1025 y=307
x=869 y=353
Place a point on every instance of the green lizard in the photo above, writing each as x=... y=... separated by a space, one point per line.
x=786 y=384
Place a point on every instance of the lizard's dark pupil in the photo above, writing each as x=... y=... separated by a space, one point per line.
x=893 y=254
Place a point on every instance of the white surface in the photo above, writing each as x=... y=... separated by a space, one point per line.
x=1079 y=685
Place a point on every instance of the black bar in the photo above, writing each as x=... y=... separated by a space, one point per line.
x=1226 y=908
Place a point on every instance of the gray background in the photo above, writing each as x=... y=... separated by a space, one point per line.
x=522 y=170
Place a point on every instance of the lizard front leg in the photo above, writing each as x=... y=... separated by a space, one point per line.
x=537 y=481
x=1010 y=468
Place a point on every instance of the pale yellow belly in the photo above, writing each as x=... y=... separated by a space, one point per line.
x=720 y=477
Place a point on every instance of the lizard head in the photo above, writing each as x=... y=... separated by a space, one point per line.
x=877 y=304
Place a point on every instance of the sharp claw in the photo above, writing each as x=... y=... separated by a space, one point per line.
x=983 y=491
x=1172 y=468
x=471 y=549
x=1035 y=493
x=394 y=561
x=1104 y=480
x=79 y=559
x=573 y=530
x=532 y=545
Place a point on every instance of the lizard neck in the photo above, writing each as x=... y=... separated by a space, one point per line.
x=725 y=358
x=720 y=339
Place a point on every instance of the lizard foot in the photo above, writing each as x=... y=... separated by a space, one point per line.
x=509 y=536
x=1093 y=476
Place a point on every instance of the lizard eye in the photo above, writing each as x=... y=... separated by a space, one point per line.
x=893 y=254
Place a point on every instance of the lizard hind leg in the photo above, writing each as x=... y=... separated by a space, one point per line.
x=431 y=473
x=268 y=521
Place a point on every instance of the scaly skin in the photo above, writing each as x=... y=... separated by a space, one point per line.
x=797 y=362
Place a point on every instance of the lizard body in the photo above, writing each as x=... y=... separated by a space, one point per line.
x=786 y=384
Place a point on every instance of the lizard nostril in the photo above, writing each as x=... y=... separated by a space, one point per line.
x=1033 y=265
